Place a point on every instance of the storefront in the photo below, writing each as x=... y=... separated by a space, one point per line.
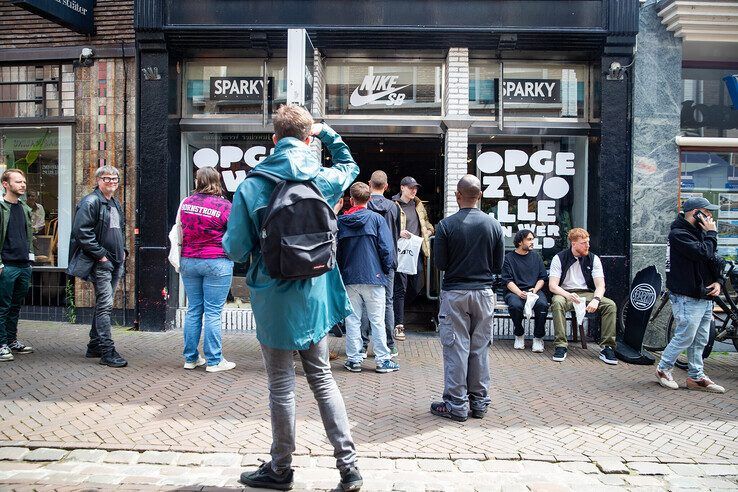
x=526 y=105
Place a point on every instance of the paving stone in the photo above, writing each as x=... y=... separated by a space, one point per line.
x=540 y=467
x=579 y=466
x=221 y=459
x=684 y=483
x=377 y=464
x=643 y=481
x=30 y=475
x=612 y=466
x=305 y=461
x=88 y=455
x=547 y=487
x=613 y=480
x=498 y=466
x=469 y=466
x=719 y=470
x=648 y=468
x=189 y=459
x=158 y=457
x=45 y=454
x=405 y=465
x=686 y=470
x=13 y=454
x=105 y=479
x=126 y=457
x=436 y=465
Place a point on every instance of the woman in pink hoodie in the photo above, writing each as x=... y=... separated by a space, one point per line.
x=205 y=269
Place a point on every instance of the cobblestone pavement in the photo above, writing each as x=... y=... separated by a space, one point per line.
x=546 y=418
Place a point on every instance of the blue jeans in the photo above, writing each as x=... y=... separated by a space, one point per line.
x=692 y=318
x=206 y=283
x=369 y=298
x=389 y=315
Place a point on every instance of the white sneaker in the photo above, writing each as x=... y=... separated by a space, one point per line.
x=199 y=362
x=537 y=345
x=223 y=365
x=5 y=353
x=666 y=379
x=519 y=343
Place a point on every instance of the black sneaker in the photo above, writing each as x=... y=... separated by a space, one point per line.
x=352 y=366
x=266 y=478
x=478 y=414
x=20 y=348
x=559 y=354
x=607 y=355
x=93 y=353
x=351 y=479
x=439 y=408
x=113 y=360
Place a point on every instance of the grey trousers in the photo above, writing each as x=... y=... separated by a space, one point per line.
x=105 y=277
x=280 y=370
x=465 y=326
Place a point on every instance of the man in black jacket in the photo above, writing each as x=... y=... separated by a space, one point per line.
x=692 y=279
x=390 y=211
x=97 y=254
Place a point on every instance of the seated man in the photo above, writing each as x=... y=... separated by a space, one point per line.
x=523 y=272
x=576 y=272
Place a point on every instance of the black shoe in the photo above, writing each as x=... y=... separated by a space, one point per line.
x=439 y=408
x=351 y=479
x=607 y=355
x=559 y=354
x=478 y=414
x=93 y=353
x=267 y=478
x=113 y=360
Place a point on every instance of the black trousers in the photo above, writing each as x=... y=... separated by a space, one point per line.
x=407 y=287
x=515 y=306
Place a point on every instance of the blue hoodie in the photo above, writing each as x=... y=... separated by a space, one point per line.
x=365 y=251
x=290 y=314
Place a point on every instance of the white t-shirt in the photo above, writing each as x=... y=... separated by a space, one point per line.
x=574 y=277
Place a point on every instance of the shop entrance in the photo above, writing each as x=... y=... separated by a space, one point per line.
x=421 y=158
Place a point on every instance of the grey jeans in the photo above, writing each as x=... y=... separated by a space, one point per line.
x=389 y=315
x=280 y=370
x=465 y=326
x=105 y=277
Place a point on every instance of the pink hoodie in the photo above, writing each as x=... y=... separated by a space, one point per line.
x=204 y=219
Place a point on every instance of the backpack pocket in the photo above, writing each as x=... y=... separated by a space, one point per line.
x=307 y=255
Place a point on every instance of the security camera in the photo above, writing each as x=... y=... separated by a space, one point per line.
x=616 y=71
x=86 y=53
x=85 y=58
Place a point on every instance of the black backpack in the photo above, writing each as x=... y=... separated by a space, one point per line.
x=298 y=230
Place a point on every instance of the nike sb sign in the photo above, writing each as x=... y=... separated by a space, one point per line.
x=379 y=90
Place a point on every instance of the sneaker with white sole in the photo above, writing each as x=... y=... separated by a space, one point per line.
x=519 y=343
x=537 y=345
x=704 y=384
x=387 y=366
x=5 y=354
x=20 y=348
x=666 y=379
x=607 y=355
x=559 y=354
x=199 y=362
x=223 y=365
x=399 y=332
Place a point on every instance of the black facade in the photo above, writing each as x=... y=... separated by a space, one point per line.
x=593 y=32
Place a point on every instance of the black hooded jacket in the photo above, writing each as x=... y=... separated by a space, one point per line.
x=691 y=259
x=390 y=211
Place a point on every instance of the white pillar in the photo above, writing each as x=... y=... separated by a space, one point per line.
x=456 y=115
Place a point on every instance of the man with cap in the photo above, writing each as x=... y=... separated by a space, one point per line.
x=692 y=277
x=413 y=220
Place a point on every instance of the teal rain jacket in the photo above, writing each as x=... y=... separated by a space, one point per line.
x=290 y=314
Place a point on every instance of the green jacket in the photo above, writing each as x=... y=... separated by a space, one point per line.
x=5 y=218
x=290 y=314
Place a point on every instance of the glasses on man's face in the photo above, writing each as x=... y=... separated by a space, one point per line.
x=108 y=179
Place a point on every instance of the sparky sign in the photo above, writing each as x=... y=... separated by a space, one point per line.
x=536 y=194
x=379 y=89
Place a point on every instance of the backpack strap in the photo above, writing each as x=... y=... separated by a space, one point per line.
x=270 y=177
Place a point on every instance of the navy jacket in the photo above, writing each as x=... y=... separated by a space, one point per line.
x=391 y=213
x=365 y=251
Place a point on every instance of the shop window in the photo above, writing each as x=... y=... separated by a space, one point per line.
x=233 y=86
x=529 y=90
x=45 y=155
x=355 y=88
x=714 y=175
x=536 y=183
x=707 y=109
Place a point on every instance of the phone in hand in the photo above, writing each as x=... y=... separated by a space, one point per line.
x=699 y=217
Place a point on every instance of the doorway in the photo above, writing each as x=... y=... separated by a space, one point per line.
x=423 y=159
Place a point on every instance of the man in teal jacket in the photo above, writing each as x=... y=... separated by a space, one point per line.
x=295 y=314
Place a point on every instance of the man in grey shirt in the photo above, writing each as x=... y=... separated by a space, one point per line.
x=469 y=248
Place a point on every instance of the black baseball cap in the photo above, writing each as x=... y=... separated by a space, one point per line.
x=698 y=202
x=409 y=181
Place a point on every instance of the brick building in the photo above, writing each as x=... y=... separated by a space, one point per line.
x=65 y=111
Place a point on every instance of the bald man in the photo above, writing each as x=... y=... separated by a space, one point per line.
x=469 y=249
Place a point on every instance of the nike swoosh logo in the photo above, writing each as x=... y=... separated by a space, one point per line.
x=359 y=100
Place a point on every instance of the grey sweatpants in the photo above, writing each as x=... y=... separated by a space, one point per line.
x=465 y=326
x=280 y=368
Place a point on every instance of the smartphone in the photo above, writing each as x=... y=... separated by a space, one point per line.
x=699 y=217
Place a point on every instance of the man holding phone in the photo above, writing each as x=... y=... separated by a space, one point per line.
x=692 y=279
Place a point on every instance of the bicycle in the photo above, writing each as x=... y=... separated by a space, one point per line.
x=724 y=325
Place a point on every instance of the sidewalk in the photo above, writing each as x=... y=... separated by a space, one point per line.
x=580 y=411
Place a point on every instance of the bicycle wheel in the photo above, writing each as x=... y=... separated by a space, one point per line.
x=681 y=361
